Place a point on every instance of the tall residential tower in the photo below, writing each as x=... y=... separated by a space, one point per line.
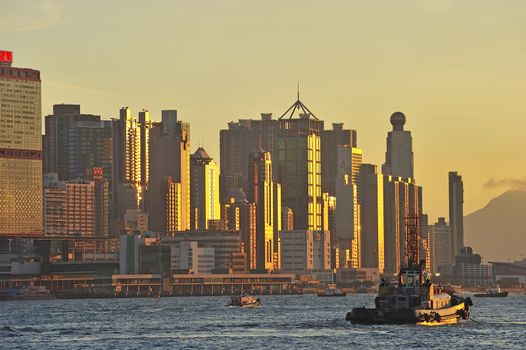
x=20 y=149
x=456 y=212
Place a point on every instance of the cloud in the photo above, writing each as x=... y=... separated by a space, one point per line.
x=23 y=15
x=510 y=183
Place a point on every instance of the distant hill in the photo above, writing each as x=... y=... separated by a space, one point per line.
x=498 y=231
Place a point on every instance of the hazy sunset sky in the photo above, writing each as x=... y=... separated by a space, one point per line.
x=457 y=69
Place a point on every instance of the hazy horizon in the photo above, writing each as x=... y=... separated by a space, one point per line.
x=457 y=70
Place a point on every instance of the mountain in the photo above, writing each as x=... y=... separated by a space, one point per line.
x=498 y=231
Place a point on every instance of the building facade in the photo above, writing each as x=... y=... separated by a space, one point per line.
x=440 y=245
x=371 y=204
x=399 y=155
x=456 y=212
x=170 y=165
x=331 y=141
x=299 y=167
x=305 y=251
x=20 y=151
x=237 y=142
x=402 y=201
x=204 y=200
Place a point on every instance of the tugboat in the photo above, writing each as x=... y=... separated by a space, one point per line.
x=414 y=299
x=27 y=293
x=492 y=293
x=332 y=291
x=244 y=300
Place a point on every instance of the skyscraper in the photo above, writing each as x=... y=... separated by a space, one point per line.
x=169 y=173
x=331 y=140
x=20 y=149
x=131 y=159
x=102 y=219
x=347 y=241
x=399 y=155
x=260 y=190
x=440 y=245
x=74 y=143
x=237 y=142
x=456 y=212
x=299 y=166
x=371 y=201
x=144 y=131
x=241 y=216
x=204 y=202
x=402 y=200
x=347 y=238
x=80 y=209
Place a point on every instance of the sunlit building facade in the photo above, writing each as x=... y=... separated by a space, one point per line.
x=299 y=167
x=80 y=209
x=371 y=201
x=20 y=151
x=260 y=190
x=170 y=159
x=204 y=200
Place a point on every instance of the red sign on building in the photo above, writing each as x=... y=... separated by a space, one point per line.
x=6 y=56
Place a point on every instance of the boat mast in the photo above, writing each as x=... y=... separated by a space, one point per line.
x=412 y=245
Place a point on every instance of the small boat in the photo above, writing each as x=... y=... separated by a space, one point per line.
x=27 y=293
x=492 y=293
x=244 y=300
x=332 y=291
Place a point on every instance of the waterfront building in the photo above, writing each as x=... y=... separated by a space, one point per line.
x=155 y=259
x=305 y=251
x=169 y=185
x=469 y=270
x=129 y=256
x=80 y=209
x=192 y=258
x=399 y=155
x=226 y=244
x=204 y=202
x=20 y=149
x=456 y=212
x=440 y=245
x=54 y=207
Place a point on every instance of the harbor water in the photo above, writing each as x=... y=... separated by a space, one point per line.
x=282 y=322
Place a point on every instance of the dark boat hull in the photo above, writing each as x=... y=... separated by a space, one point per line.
x=332 y=295
x=491 y=295
x=449 y=315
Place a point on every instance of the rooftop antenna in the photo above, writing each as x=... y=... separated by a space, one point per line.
x=298 y=90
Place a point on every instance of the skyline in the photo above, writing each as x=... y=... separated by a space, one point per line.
x=229 y=65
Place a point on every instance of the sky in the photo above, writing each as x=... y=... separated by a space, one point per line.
x=456 y=69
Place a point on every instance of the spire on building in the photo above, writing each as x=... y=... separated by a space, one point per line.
x=300 y=107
